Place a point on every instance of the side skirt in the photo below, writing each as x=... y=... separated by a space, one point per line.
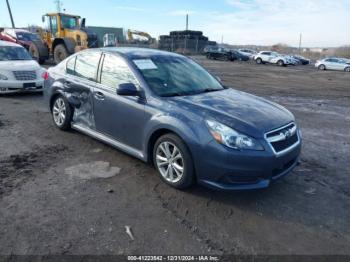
x=125 y=148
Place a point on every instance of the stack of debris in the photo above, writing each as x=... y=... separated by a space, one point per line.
x=187 y=41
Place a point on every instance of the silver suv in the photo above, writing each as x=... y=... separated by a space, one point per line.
x=270 y=57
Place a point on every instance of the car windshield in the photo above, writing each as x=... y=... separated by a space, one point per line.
x=10 y=53
x=176 y=76
x=23 y=36
x=69 y=22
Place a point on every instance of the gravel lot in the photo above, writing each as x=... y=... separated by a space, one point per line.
x=45 y=208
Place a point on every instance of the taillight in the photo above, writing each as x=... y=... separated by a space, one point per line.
x=45 y=75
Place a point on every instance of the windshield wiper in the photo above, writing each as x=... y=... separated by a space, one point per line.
x=173 y=94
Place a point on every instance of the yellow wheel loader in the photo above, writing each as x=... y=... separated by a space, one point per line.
x=62 y=36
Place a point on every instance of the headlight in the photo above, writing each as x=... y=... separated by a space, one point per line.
x=3 y=77
x=231 y=138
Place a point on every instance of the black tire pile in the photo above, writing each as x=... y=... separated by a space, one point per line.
x=186 y=41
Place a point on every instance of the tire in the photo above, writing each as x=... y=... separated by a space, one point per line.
x=280 y=63
x=259 y=61
x=208 y=56
x=38 y=50
x=169 y=169
x=321 y=67
x=62 y=113
x=60 y=53
x=347 y=69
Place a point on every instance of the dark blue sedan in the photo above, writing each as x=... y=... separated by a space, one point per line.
x=166 y=109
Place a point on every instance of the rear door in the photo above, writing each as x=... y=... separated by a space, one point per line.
x=339 y=64
x=120 y=117
x=79 y=83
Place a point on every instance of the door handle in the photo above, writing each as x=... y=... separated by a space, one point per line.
x=99 y=95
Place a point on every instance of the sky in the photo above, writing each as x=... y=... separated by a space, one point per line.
x=322 y=23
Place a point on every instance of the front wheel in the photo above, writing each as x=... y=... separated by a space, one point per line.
x=280 y=63
x=321 y=67
x=347 y=69
x=61 y=113
x=259 y=61
x=173 y=161
x=60 y=53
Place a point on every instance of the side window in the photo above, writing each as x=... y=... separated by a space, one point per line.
x=86 y=65
x=115 y=71
x=70 y=67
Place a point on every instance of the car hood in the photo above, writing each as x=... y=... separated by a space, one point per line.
x=20 y=65
x=246 y=113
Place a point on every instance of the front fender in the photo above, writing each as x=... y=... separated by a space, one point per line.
x=187 y=132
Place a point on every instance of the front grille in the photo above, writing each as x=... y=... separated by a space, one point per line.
x=284 y=144
x=24 y=75
x=283 y=138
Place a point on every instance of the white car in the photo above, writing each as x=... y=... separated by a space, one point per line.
x=18 y=70
x=333 y=63
x=248 y=52
x=270 y=57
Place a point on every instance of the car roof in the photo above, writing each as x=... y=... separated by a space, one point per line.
x=17 y=30
x=136 y=52
x=5 y=43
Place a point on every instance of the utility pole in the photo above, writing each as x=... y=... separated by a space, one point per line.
x=300 y=43
x=10 y=12
x=58 y=5
x=186 y=22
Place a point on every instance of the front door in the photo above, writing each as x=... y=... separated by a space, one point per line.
x=119 y=117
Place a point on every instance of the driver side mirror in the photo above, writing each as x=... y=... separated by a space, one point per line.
x=127 y=89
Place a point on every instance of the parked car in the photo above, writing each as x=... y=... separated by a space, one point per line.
x=18 y=70
x=237 y=55
x=333 y=63
x=219 y=53
x=302 y=60
x=19 y=36
x=264 y=57
x=293 y=60
x=249 y=52
x=166 y=109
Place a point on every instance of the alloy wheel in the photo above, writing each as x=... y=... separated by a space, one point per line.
x=59 y=112
x=170 y=162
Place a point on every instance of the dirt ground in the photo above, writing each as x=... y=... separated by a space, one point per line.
x=44 y=209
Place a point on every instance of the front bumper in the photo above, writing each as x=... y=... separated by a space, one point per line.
x=227 y=169
x=8 y=86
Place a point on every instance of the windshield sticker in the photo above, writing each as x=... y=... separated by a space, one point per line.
x=145 y=64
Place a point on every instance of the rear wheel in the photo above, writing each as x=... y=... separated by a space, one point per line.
x=61 y=113
x=60 y=53
x=173 y=161
x=280 y=63
x=321 y=67
x=259 y=61
x=38 y=51
x=347 y=69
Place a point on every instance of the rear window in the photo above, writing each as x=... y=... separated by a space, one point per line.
x=86 y=65
x=70 y=69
